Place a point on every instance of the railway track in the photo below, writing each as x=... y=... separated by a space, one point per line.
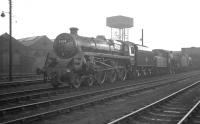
x=192 y=116
x=27 y=82
x=25 y=95
x=5 y=85
x=175 y=108
x=19 y=76
x=63 y=104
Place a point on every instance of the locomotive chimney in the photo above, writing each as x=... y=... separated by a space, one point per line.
x=74 y=30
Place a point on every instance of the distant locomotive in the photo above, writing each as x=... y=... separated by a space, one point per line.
x=83 y=60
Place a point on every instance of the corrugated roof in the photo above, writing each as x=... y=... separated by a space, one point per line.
x=30 y=40
x=38 y=42
x=4 y=38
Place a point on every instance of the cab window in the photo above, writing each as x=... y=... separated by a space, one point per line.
x=132 y=50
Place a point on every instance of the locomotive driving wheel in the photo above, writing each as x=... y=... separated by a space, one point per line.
x=76 y=81
x=112 y=76
x=122 y=74
x=100 y=77
x=90 y=80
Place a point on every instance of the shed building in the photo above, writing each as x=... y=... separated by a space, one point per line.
x=22 y=60
x=40 y=46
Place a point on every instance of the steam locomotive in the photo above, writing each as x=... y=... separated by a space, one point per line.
x=79 y=60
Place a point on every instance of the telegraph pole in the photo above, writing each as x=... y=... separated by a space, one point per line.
x=142 y=39
x=10 y=40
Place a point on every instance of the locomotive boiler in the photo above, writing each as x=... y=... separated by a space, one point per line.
x=82 y=60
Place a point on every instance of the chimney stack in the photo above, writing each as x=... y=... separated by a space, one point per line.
x=74 y=30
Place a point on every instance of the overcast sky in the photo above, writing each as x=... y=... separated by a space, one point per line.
x=167 y=24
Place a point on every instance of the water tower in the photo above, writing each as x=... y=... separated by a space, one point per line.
x=119 y=26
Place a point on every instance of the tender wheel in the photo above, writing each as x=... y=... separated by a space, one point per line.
x=137 y=74
x=131 y=75
x=76 y=81
x=100 y=77
x=112 y=76
x=171 y=71
x=144 y=73
x=149 y=72
x=122 y=74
